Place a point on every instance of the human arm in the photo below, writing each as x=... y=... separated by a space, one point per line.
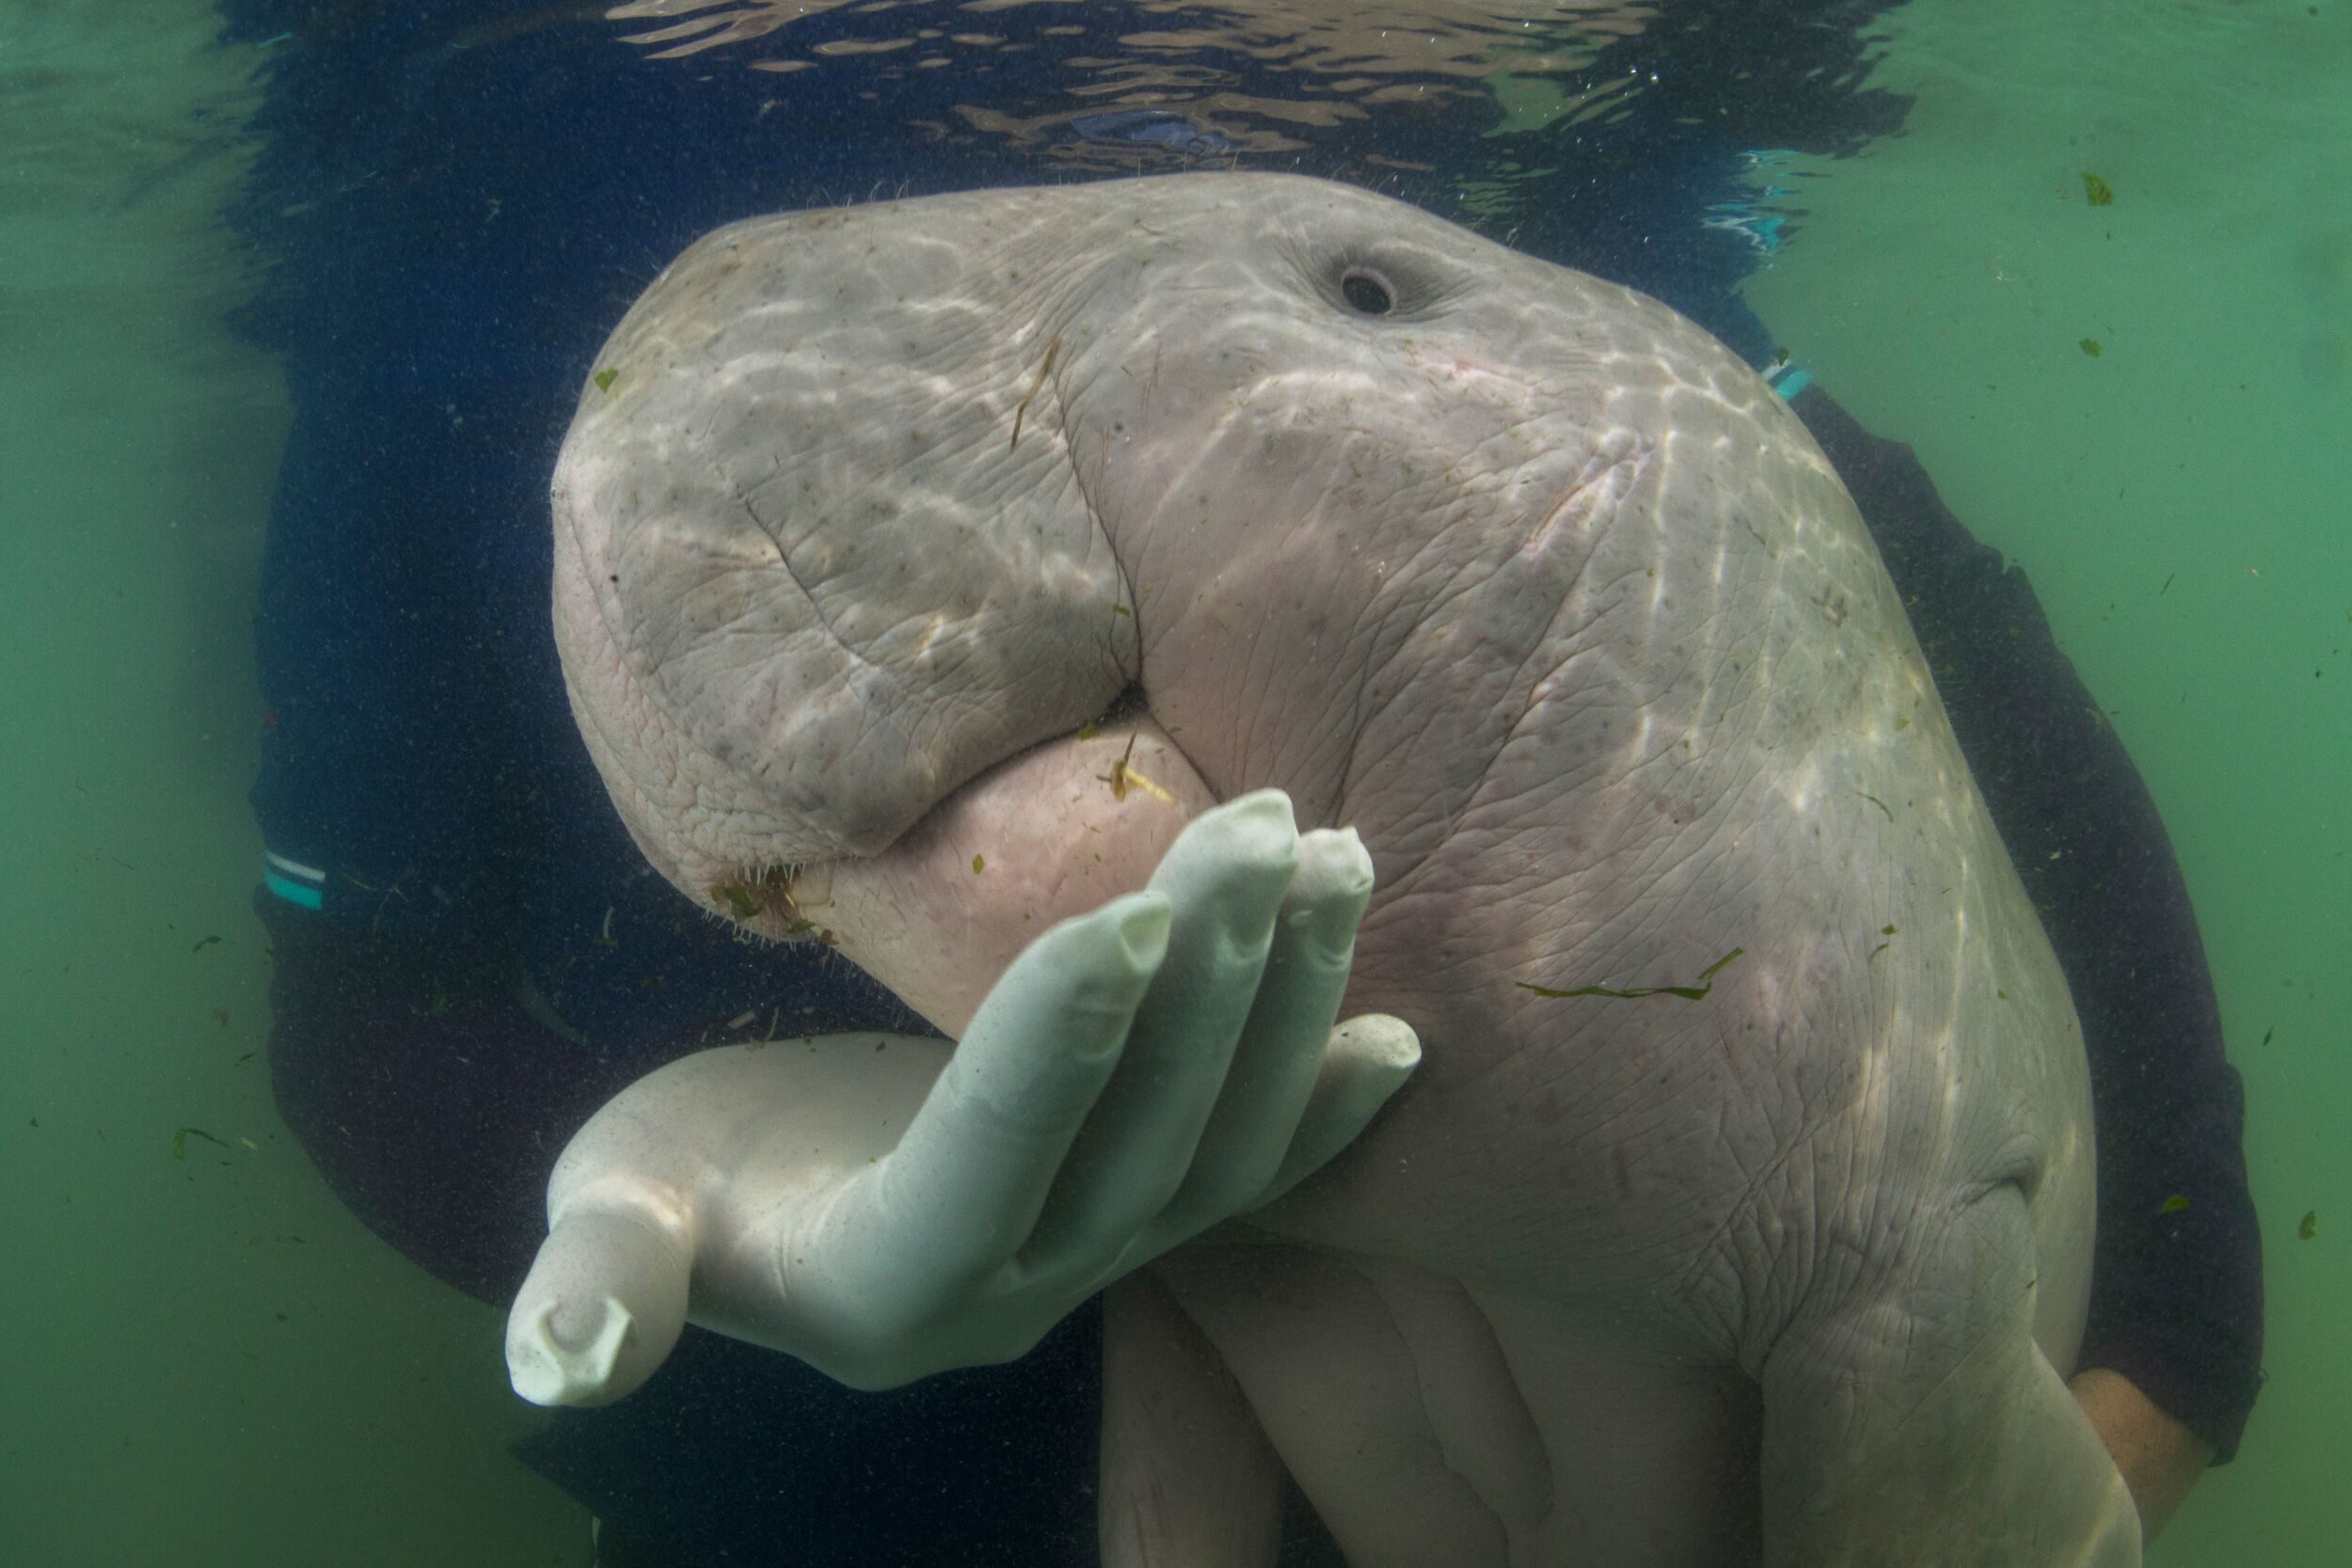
x=2160 y=1457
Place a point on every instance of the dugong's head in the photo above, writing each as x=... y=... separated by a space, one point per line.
x=883 y=534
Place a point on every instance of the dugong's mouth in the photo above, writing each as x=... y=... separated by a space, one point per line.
x=938 y=914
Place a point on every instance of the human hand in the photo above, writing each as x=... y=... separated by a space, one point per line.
x=885 y=1209
x=2160 y=1458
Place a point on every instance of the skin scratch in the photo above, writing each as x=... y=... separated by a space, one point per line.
x=1052 y=352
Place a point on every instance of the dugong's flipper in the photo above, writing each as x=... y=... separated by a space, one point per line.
x=1188 y=1474
x=884 y=1210
x=1922 y=1425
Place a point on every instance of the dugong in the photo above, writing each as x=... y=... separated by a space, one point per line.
x=1740 y=1208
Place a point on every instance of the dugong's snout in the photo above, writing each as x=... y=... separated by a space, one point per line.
x=834 y=823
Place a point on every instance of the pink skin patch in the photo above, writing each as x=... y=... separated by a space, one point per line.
x=1053 y=833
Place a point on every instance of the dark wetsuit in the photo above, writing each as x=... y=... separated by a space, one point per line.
x=471 y=957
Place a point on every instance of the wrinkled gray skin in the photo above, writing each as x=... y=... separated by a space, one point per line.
x=1538 y=586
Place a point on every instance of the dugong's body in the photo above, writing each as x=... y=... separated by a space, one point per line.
x=1539 y=588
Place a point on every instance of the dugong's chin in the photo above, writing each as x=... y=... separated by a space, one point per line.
x=939 y=914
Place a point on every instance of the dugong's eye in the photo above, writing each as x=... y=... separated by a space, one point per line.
x=1366 y=292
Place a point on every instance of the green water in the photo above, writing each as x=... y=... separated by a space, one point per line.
x=209 y=1363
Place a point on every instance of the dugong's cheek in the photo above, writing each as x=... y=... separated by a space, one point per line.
x=1048 y=835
